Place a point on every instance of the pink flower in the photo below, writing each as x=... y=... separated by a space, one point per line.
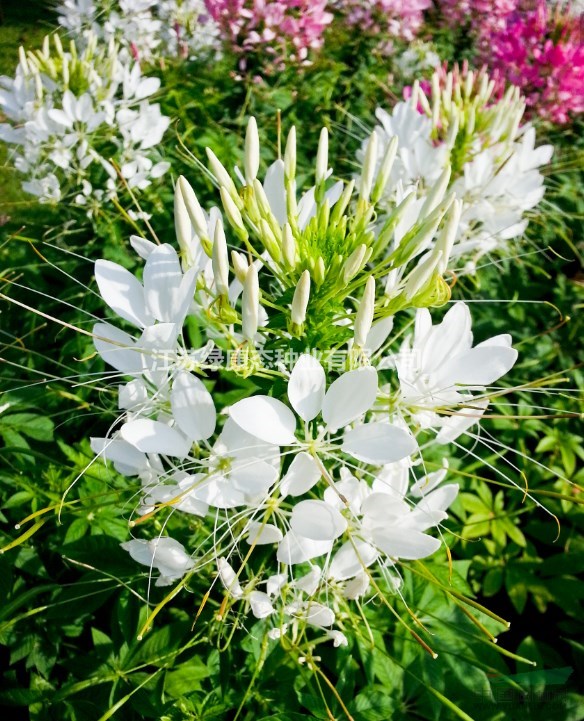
x=270 y=34
x=384 y=19
x=542 y=52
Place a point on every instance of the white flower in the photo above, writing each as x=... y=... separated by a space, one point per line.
x=439 y=367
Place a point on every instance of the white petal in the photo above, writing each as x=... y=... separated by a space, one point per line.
x=404 y=543
x=378 y=334
x=142 y=246
x=317 y=521
x=301 y=476
x=265 y=418
x=229 y=578
x=306 y=387
x=294 y=549
x=120 y=353
x=122 y=292
x=127 y=459
x=454 y=426
x=170 y=557
x=154 y=437
x=260 y=603
x=260 y=534
x=192 y=407
x=275 y=191
x=378 y=443
x=351 y=558
x=254 y=478
x=162 y=278
x=349 y=396
x=319 y=615
x=479 y=366
x=139 y=550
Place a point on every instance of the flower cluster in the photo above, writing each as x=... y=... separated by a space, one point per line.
x=384 y=20
x=482 y=17
x=269 y=34
x=71 y=113
x=313 y=490
x=541 y=51
x=144 y=29
x=463 y=137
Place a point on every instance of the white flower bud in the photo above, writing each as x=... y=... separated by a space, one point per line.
x=23 y=61
x=250 y=302
x=436 y=194
x=448 y=235
x=221 y=175
x=252 y=151
x=322 y=157
x=288 y=246
x=354 y=262
x=183 y=227
x=369 y=164
x=385 y=170
x=364 y=317
x=231 y=210
x=421 y=274
x=193 y=207
x=300 y=299
x=319 y=271
x=219 y=260
x=240 y=265
x=290 y=155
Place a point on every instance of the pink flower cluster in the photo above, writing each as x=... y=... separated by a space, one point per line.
x=542 y=51
x=384 y=18
x=274 y=33
x=482 y=16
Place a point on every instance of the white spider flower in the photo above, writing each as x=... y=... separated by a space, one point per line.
x=70 y=112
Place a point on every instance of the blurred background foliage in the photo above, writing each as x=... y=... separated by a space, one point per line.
x=72 y=603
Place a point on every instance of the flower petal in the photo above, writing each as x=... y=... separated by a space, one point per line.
x=349 y=396
x=302 y=474
x=261 y=534
x=351 y=558
x=265 y=418
x=294 y=549
x=306 y=387
x=404 y=542
x=192 y=407
x=155 y=437
x=123 y=292
x=378 y=443
x=317 y=521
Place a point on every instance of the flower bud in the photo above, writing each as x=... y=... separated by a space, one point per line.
x=219 y=260
x=364 y=317
x=240 y=265
x=193 y=207
x=436 y=194
x=385 y=170
x=221 y=175
x=231 y=211
x=319 y=271
x=183 y=228
x=288 y=246
x=290 y=155
x=369 y=165
x=250 y=304
x=300 y=299
x=23 y=61
x=252 y=151
x=322 y=157
x=448 y=235
x=354 y=263
x=421 y=274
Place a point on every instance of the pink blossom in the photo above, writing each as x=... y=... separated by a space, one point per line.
x=271 y=34
x=384 y=19
x=542 y=51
